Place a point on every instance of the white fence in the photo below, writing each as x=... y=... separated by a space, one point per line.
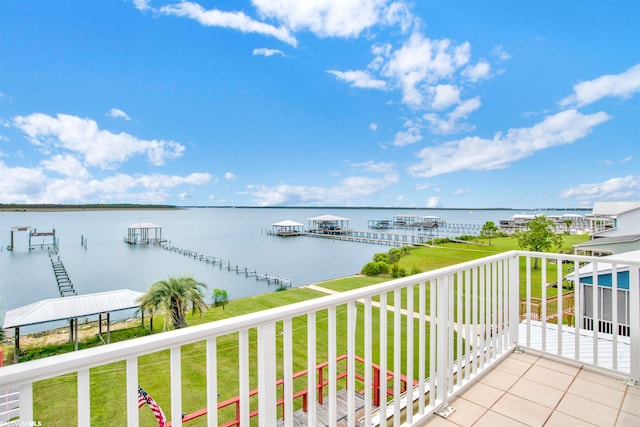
x=435 y=332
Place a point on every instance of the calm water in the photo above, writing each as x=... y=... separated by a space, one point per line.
x=233 y=234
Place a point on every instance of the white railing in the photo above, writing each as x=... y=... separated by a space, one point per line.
x=435 y=331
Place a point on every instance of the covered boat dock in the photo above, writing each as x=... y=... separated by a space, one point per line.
x=144 y=233
x=70 y=308
x=329 y=224
x=287 y=228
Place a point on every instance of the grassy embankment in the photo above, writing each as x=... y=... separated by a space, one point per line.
x=107 y=382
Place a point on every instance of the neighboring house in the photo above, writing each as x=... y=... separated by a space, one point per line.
x=614 y=228
x=604 y=293
x=623 y=217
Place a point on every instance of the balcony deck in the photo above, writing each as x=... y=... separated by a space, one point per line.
x=529 y=389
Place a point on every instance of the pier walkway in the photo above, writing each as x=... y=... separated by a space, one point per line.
x=226 y=264
x=65 y=286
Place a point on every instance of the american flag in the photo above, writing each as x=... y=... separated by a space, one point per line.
x=144 y=398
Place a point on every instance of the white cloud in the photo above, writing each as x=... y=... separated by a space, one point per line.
x=66 y=165
x=624 y=188
x=626 y=159
x=412 y=135
x=349 y=190
x=371 y=166
x=621 y=85
x=445 y=96
x=433 y=202
x=267 y=52
x=360 y=79
x=33 y=185
x=451 y=121
x=230 y=176
x=460 y=191
x=118 y=114
x=475 y=153
x=373 y=126
x=99 y=148
x=141 y=4
x=330 y=18
x=500 y=53
x=420 y=62
x=234 y=20
x=479 y=71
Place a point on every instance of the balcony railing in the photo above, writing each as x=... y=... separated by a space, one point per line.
x=437 y=331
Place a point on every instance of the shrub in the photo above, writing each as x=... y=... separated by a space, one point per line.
x=374 y=268
x=382 y=257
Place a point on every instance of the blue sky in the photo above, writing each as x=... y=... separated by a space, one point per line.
x=449 y=104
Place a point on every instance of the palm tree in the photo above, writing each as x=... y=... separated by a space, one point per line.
x=174 y=296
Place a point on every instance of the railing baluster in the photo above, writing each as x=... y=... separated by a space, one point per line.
x=176 y=387
x=26 y=401
x=434 y=351
x=383 y=358
x=267 y=408
x=410 y=352
x=397 y=354
x=84 y=398
x=311 y=368
x=351 y=362
x=577 y=308
x=287 y=360
x=528 y=297
x=614 y=315
x=331 y=336
x=243 y=365
x=422 y=341
x=634 y=322
x=212 y=382
x=596 y=312
x=560 y=303
x=368 y=354
x=543 y=307
x=132 y=392
x=459 y=327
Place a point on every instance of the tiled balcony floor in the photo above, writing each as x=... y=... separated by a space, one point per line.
x=530 y=390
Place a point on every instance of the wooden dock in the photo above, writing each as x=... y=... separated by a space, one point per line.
x=65 y=286
x=226 y=264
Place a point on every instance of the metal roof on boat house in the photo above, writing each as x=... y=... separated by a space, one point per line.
x=71 y=307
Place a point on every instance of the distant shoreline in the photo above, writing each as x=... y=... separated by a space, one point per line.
x=10 y=207
x=87 y=207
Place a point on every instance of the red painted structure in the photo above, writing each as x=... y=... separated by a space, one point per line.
x=234 y=402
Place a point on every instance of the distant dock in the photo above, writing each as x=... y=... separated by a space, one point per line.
x=226 y=264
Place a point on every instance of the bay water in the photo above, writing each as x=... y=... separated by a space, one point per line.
x=92 y=248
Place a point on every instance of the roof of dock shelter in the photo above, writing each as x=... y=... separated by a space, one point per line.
x=145 y=225
x=72 y=307
x=287 y=223
x=328 y=218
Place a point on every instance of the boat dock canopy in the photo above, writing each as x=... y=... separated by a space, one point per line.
x=64 y=308
x=143 y=233
x=287 y=228
x=329 y=224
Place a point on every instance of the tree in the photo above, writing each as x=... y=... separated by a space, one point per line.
x=220 y=298
x=175 y=297
x=568 y=223
x=489 y=230
x=538 y=236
